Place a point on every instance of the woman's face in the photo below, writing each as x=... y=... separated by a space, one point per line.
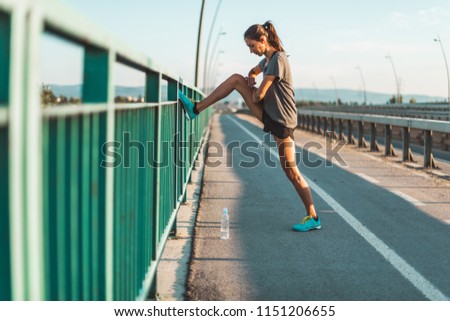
x=258 y=47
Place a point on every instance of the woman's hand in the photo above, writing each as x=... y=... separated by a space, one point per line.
x=251 y=76
x=251 y=82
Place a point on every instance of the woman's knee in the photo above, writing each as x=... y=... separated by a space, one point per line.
x=235 y=79
x=292 y=173
x=289 y=173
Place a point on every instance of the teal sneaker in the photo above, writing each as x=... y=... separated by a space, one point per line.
x=187 y=105
x=307 y=224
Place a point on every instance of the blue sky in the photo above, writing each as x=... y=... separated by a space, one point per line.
x=324 y=39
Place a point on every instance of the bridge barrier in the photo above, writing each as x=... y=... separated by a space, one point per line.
x=339 y=124
x=88 y=193
x=434 y=111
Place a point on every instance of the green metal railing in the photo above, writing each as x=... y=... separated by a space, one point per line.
x=88 y=193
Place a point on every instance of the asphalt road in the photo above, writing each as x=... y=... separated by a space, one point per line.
x=373 y=245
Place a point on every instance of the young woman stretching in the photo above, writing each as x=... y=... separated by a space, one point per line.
x=272 y=103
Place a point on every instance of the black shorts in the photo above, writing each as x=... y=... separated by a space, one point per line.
x=275 y=128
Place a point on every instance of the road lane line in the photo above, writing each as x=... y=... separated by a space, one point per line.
x=407 y=198
x=395 y=165
x=368 y=178
x=408 y=271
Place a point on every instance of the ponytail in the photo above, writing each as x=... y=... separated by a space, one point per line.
x=267 y=29
x=272 y=36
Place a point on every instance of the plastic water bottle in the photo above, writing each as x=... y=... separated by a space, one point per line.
x=225 y=225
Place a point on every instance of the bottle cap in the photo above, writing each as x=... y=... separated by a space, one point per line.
x=225 y=210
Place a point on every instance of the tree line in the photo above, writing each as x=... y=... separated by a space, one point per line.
x=48 y=98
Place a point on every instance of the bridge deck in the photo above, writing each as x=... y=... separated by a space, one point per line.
x=385 y=232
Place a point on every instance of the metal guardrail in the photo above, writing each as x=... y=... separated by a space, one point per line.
x=434 y=111
x=71 y=229
x=318 y=120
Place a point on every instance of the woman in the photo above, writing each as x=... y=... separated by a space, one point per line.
x=272 y=103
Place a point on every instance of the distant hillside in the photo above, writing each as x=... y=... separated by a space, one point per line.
x=68 y=91
x=75 y=91
x=326 y=95
x=349 y=95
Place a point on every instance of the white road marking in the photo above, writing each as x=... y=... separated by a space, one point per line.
x=408 y=271
x=371 y=157
x=368 y=178
x=408 y=198
x=395 y=165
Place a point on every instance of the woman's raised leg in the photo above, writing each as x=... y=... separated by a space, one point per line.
x=234 y=82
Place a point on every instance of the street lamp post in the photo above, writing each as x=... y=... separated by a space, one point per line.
x=335 y=90
x=363 y=83
x=396 y=78
x=315 y=91
x=208 y=43
x=216 y=73
x=208 y=62
x=438 y=39
x=213 y=69
x=199 y=38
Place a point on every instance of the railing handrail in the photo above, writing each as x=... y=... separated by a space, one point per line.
x=425 y=124
x=426 y=106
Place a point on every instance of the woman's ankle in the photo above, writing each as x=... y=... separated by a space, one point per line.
x=195 y=110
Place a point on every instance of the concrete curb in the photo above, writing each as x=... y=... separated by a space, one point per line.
x=173 y=268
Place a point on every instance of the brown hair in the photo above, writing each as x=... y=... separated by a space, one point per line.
x=255 y=32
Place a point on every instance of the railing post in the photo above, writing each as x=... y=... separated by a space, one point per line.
x=12 y=266
x=190 y=94
x=361 y=140
x=428 y=159
x=35 y=265
x=153 y=94
x=95 y=90
x=407 y=155
x=341 y=129
x=172 y=95
x=109 y=179
x=183 y=139
x=373 y=138
x=389 y=149
x=333 y=129
x=319 y=125
x=350 y=138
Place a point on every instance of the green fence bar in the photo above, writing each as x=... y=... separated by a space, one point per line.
x=5 y=49
x=5 y=266
x=5 y=259
x=102 y=199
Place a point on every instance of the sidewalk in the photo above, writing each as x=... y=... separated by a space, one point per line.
x=174 y=265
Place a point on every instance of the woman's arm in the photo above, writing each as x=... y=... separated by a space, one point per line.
x=260 y=92
x=255 y=71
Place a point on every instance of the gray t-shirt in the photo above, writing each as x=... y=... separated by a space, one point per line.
x=279 y=102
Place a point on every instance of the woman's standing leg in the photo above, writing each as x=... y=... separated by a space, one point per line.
x=286 y=151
